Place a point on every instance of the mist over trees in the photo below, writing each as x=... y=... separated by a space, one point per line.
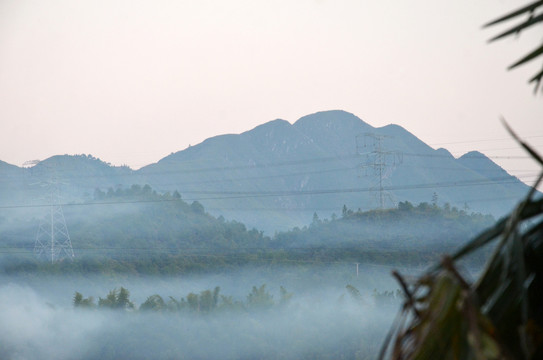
x=407 y=226
x=137 y=230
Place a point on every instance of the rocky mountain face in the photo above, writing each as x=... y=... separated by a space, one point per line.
x=278 y=174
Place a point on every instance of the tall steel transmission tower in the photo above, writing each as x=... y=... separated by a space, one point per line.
x=380 y=161
x=52 y=239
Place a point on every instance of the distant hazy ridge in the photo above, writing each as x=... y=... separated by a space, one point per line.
x=278 y=174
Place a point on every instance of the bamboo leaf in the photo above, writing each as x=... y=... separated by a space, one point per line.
x=526 y=147
x=537 y=52
x=525 y=9
x=537 y=79
x=516 y=29
x=537 y=76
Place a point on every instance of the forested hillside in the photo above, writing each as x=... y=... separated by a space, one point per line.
x=138 y=230
x=424 y=226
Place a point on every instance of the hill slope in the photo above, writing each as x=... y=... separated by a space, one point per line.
x=278 y=174
x=275 y=176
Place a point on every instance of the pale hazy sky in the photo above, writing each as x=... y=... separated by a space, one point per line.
x=132 y=81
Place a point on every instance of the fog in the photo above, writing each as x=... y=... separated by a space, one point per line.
x=337 y=274
x=321 y=319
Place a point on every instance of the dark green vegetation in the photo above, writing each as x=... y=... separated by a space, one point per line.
x=207 y=301
x=138 y=231
x=422 y=227
x=499 y=316
x=531 y=14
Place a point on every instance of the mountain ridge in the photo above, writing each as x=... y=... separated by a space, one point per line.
x=277 y=175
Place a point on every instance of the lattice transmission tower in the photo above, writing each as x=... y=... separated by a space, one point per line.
x=52 y=239
x=380 y=161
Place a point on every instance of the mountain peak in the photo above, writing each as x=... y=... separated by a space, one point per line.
x=480 y=163
x=71 y=161
x=338 y=122
x=472 y=154
x=329 y=117
x=445 y=153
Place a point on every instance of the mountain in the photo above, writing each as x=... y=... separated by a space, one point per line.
x=277 y=175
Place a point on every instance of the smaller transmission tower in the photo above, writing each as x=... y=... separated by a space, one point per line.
x=379 y=160
x=53 y=240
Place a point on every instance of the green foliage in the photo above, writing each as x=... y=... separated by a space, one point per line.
x=153 y=303
x=533 y=16
x=143 y=232
x=259 y=298
x=285 y=296
x=175 y=305
x=138 y=219
x=206 y=302
x=80 y=302
x=496 y=317
x=116 y=299
x=426 y=226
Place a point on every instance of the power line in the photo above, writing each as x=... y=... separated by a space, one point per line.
x=484 y=140
x=381 y=160
x=53 y=240
x=223 y=195
x=470 y=157
x=272 y=164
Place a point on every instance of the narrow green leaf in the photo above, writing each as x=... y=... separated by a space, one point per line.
x=531 y=21
x=516 y=13
x=537 y=52
x=526 y=147
x=537 y=79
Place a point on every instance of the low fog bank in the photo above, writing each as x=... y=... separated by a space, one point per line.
x=322 y=319
x=302 y=330
x=317 y=280
x=33 y=328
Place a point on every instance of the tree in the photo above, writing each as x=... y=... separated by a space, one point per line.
x=123 y=299
x=175 y=305
x=117 y=299
x=193 y=302
x=80 y=302
x=285 y=296
x=206 y=301
x=197 y=207
x=405 y=206
x=109 y=301
x=316 y=219
x=434 y=199
x=153 y=303
x=259 y=298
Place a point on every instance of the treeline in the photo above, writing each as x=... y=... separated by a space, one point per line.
x=205 y=302
x=208 y=301
x=425 y=226
x=138 y=217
